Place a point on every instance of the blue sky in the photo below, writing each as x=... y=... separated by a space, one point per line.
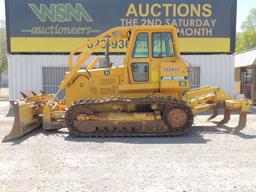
x=243 y=7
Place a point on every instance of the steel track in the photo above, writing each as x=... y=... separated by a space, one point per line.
x=127 y=129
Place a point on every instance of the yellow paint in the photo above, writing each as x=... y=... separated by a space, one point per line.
x=154 y=76
x=165 y=74
x=41 y=44
x=120 y=81
x=205 y=45
x=64 y=44
x=205 y=98
x=93 y=63
x=165 y=78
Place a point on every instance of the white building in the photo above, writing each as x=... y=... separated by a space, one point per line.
x=245 y=74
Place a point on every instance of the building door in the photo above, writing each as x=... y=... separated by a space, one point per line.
x=248 y=83
x=52 y=77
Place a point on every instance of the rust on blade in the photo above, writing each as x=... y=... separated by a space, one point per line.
x=24 y=121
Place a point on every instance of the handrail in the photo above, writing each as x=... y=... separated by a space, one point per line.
x=112 y=34
x=92 y=41
x=93 y=63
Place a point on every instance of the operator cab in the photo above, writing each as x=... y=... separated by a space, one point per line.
x=153 y=60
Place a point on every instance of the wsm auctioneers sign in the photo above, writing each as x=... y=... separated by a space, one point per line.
x=47 y=26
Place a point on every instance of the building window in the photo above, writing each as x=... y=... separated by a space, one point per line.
x=52 y=77
x=162 y=45
x=194 y=77
x=141 y=46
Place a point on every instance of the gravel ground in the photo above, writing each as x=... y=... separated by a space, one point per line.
x=207 y=159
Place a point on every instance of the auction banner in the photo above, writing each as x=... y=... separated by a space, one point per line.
x=58 y=26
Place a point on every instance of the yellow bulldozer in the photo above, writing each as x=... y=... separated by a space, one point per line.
x=148 y=96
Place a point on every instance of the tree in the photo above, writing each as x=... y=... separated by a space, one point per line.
x=247 y=39
x=3 y=57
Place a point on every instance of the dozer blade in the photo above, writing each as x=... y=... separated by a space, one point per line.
x=26 y=119
x=215 y=113
x=226 y=118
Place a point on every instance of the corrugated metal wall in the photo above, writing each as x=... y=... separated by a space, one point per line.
x=52 y=77
x=215 y=70
x=25 y=71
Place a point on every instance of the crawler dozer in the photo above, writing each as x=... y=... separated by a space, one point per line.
x=148 y=95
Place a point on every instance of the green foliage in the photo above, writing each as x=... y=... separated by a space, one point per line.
x=3 y=58
x=247 y=39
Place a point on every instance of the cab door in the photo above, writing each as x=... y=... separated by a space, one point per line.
x=140 y=59
x=139 y=64
x=162 y=52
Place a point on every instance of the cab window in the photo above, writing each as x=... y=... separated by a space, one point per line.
x=141 y=46
x=140 y=72
x=162 y=45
